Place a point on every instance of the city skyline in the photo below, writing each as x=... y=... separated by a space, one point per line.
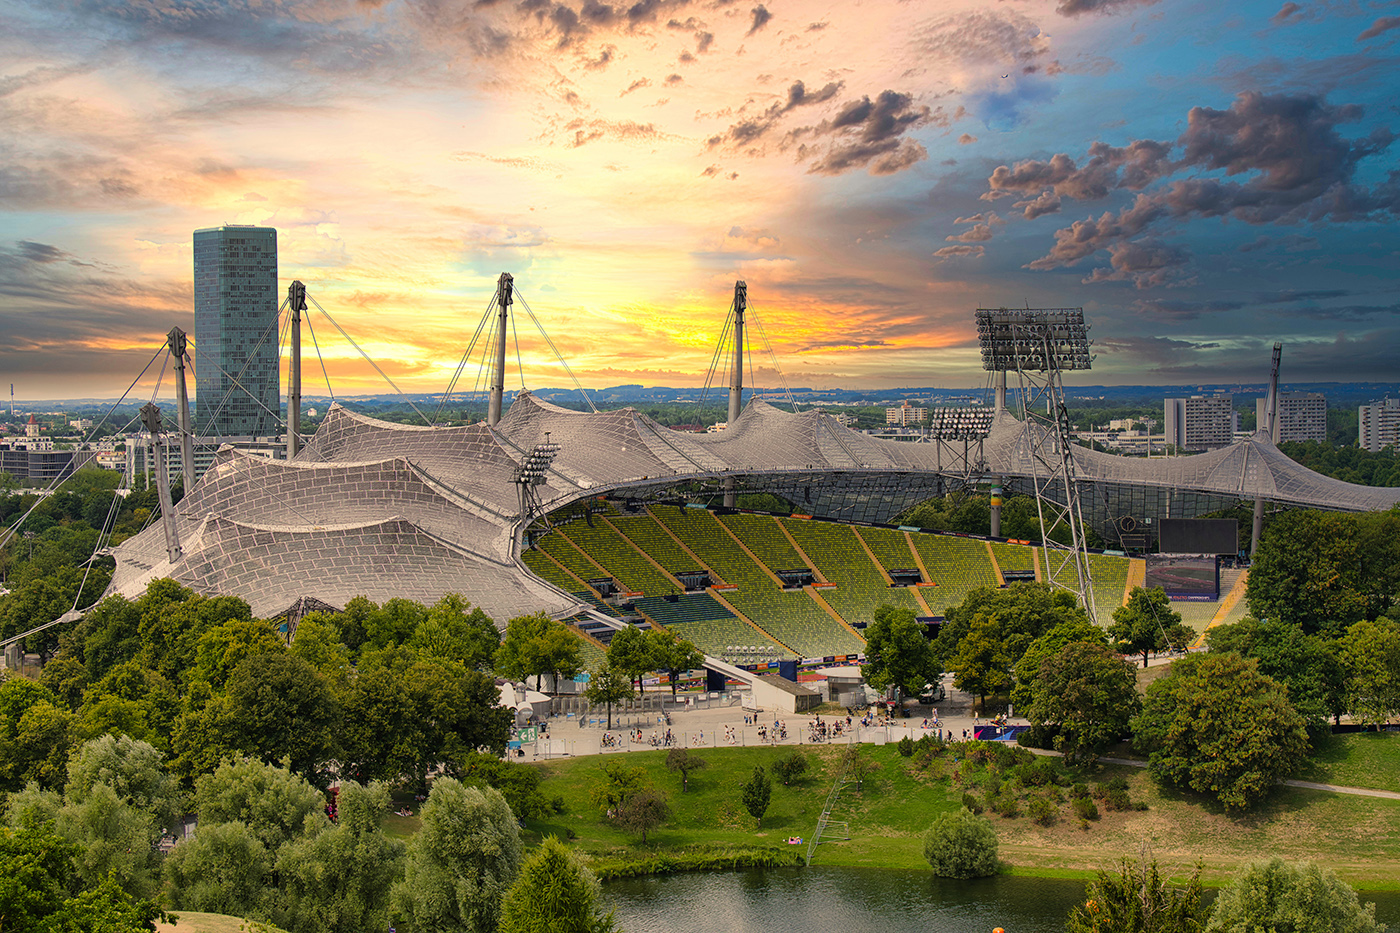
x=1202 y=179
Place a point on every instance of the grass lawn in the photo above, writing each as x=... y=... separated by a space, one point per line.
x=1358 y=837
x=1358 y=759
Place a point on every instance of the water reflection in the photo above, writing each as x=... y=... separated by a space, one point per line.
x=840 y=899
x=854 y=900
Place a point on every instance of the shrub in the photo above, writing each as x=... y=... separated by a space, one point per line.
x=971 y=802
x=961 y=844
x=1039 y=773
x=1041 y=811
x=1117 y=799
x=1079 y=791
x=906 y=746
x=791 y=767
x=1009 y=807
x=1085 y=808
x=991 y=785
x=1117 y=783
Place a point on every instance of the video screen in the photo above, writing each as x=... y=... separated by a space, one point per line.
x=1185 y=576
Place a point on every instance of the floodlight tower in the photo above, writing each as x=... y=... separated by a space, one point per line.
x=533 y=471
x=736 y=382
x=1038 y=345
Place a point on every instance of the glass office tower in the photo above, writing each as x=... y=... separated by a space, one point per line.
x=235 y=324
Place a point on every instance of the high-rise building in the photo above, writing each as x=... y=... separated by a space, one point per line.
x=1201 y=422
x=235 y=325
x=1379 y=425
x=1302 y=416
x=905 y=414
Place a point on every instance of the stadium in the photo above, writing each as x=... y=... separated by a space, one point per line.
x=592 y=516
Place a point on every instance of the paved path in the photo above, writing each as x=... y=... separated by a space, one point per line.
x=1310 y=785
x=705 y=728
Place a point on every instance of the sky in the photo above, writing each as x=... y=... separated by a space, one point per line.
x=1203 y=178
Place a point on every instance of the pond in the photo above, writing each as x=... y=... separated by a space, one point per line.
x=854 y=900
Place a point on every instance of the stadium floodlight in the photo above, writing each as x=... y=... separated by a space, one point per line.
x=960 y=424
x=1035 y=339
x=1038 y=344
x=534 y=471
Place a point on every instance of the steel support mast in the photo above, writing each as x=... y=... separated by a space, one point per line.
x=296 y=303
x=1270 y=426
x=176 y=341
x=504 y=288
x=736 y=382
x=150 y=417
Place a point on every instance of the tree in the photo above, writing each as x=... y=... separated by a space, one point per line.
x=1217 y=726
x=1013 y=617
x=899 y=653
x=1027 y=668
x=1309 y=666
x=555 y=891
x=1087 y=693
x=113 y=838
x=756 y=793
x=982 y=664
x=105 y=909
x=36 y=866
x=222 y=869
x=620 y=782
x=1325 y=571
x=673 y=655
x=680 y=759
x=133 y=770
x=285 y=709
x=642 y=812
x=1370 y=654
x=25 y=746
x=273 y=803
x=608 y=686
x=1148 y=623
x=454 y=631
x=790 y=767
x=1137 y=899
x=339 y=881
x=1301 y=898
x=632 y=653
x=961 y=844
x=462 y=861
x=536 y=645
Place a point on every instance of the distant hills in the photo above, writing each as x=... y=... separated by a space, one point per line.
x=1339 y=395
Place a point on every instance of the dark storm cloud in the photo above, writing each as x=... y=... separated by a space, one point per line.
x=339 y=40
x=1294 y=163
x=761 y=18
x=868 y=134
x=1134 y=166
x=1383 y=24
x=1080 y=7
x=1157 y=351
x=748 y=131
x=1165 y=309
x=58 y=311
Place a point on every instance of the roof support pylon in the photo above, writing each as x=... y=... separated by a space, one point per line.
x=176 y=340
x=1270 y=426
x=296 y=303
x=504 y=288
x=736 y=382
